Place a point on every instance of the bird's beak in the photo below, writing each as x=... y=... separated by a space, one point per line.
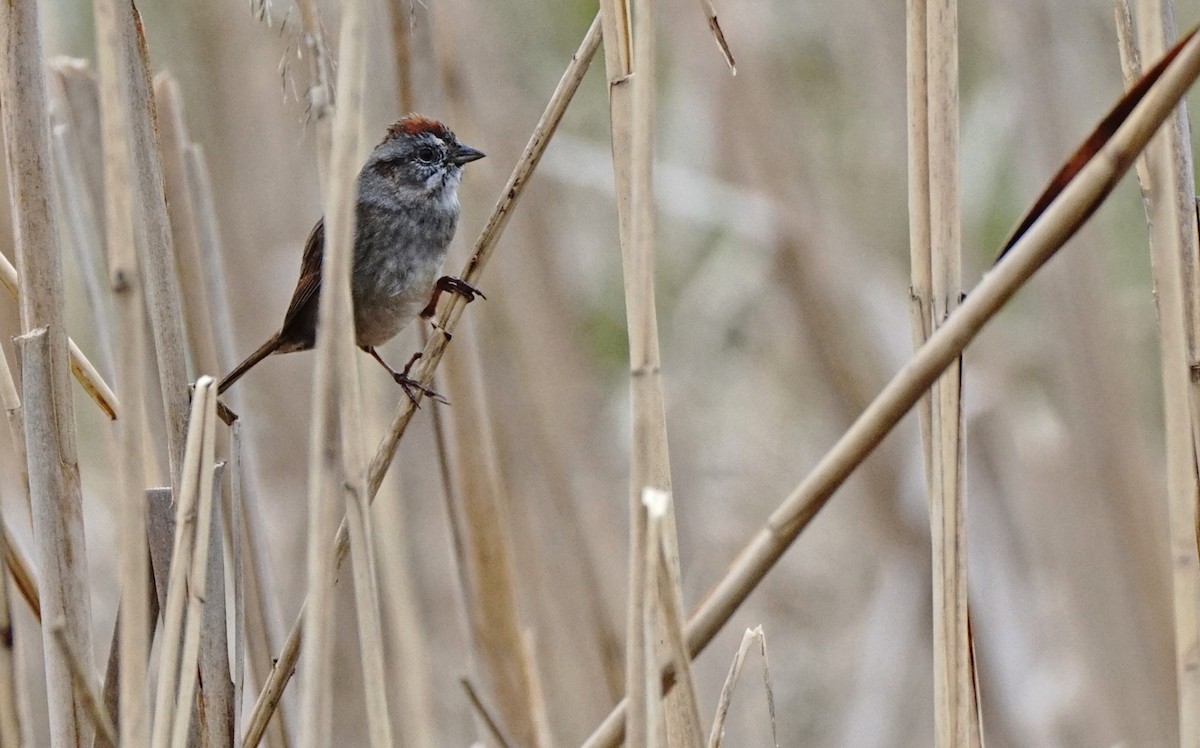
x=465 y=154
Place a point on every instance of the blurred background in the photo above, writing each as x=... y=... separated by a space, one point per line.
x=783 y=308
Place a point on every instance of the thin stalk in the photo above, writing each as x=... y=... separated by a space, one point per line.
x=936 y=290
x=133 y=627
x=1169 y=194
x=82 y=680
x=46 y=391
x=83 y=370
x=156 y=257
x=197 y=566
x=196 y=472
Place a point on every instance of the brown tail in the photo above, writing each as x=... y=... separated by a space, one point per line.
x=266 y=349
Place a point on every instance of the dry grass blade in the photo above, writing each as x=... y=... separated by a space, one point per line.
x=749 y=639
x=718 y=35
x=1130 y=127
x=83 y=370
x=82 y=680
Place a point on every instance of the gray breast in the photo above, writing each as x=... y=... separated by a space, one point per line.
x=398 y=254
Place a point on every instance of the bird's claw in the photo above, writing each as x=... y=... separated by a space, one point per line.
x=409 y=384
x=459 y=286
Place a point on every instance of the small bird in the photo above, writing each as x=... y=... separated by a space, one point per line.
x=406 y=215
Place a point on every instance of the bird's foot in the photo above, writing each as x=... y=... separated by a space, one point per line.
x=409 y=384
x=450 y=284
x=459 y=286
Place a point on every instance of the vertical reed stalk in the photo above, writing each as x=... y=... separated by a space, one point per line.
x=195 y=566
x=156 y=257
x=936 y=251
x=48 y=406
x=134 y=629
x=336 y=457
x=1169 y=195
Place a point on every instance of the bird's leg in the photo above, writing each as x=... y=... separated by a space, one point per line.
x=453 y=285
x=403 y=379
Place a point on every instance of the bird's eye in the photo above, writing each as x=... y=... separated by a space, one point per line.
x=426 y=155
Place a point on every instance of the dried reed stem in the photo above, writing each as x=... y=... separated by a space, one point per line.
x=347 y=129
x=265 y=619
x=1169 y=194
x=156 y=256
x=217 y=715
x=710 y=13
x=335 y=453
x=46 y=395
x=83 y=370
x=197 y=475
x=82 y=680
x=631 y=106
x=233 y=516
x=196 y=568
x=936 y=250
x=1057 y=223
x=84 y=227
x=134 y=629
x=448 y=317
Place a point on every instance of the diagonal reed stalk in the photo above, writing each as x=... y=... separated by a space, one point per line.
x=485 y=245
x=1058 y=213
x=84 y=371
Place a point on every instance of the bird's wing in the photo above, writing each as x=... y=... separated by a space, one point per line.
x=310 y=275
